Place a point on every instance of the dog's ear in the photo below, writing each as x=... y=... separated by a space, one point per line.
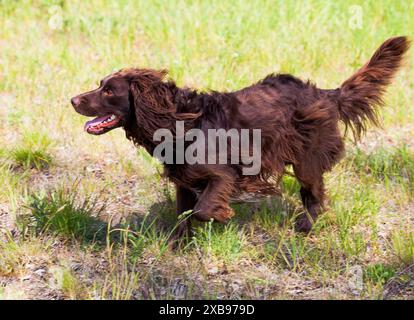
x=148 y=89
x=144 y=79
x=153 y=101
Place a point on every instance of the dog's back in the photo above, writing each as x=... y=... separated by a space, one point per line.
x=299 y=122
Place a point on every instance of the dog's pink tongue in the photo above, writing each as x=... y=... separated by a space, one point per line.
x=95 y=121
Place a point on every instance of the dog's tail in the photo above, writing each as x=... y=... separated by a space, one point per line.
x=361 y=94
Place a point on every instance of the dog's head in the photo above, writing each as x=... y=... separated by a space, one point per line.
x=117 y=98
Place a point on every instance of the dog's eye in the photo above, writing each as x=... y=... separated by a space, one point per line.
x=107 y=92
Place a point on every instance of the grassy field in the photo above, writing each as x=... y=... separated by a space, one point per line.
x=84 y=217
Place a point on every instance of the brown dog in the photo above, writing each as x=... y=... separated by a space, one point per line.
x=298 y=123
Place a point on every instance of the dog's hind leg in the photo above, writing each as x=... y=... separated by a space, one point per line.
x=312 y=194
x=323 y=147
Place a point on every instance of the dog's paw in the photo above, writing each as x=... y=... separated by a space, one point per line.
x=303 y=224
x=220 y=214
x=223 y=215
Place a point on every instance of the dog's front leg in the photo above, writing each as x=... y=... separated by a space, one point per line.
x=186 y=200
x=213 y=203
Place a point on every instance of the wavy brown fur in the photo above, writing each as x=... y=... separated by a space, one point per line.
x=361 y=95
x=299 y=126
x=298 y=122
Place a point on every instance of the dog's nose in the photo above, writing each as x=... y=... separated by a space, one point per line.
x=75 y=101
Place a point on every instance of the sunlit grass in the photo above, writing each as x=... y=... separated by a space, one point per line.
x=387 y=165
x=32 y=151
x=54 y=49
x=16 y=254
x=67 y=283
x=61 y=212
x=403 y=246
x=224 y=243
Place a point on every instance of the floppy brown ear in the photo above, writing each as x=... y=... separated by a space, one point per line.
x=145 y=79
x=153 y=101
x=149 y=91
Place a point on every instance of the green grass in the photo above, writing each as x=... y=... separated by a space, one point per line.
x=33 y=151
x=31 y=158
x=146 y=237
x=223 y=242
x=11 y=181
x=9 y=260
x=49 y=223
x=403 y=246
x=15 y=255
x=395 y=165
x=65 y=281
x=379 y=273
x=61 y=212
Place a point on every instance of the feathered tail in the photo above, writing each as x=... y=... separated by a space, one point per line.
x=361 y=94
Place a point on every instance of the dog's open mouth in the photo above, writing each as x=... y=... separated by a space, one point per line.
x=103 y=124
